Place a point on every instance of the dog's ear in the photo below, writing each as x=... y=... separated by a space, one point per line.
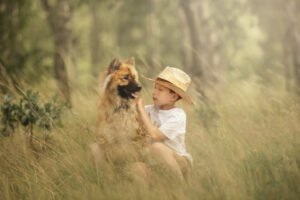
x=114 y=65
x=130 y=61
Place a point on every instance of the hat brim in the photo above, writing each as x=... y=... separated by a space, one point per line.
x=184 y=96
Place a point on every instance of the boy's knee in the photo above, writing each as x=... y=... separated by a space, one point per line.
x=162 y=153
x=159 y=148
x=165 y=156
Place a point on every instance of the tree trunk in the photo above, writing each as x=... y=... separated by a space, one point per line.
x=58 y=15
x=196 y=65
x=184 y=50
x=286 y=63
x=95 y=40
x=3 y=80
x=151 y=35
x=293 y=31
x=296 y=60
x=196 y=69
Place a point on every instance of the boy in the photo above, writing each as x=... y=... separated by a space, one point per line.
x=165 y=123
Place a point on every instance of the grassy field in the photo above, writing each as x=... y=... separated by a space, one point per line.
x=245 y=146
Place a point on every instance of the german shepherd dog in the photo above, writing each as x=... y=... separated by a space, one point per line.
x=120 y=135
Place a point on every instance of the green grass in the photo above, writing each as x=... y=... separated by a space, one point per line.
x=245 y=146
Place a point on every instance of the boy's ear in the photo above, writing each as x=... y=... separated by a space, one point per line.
x=175 y=96
x=114 y=65
x=130 y=61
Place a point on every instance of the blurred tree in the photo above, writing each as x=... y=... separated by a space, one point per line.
x=25 y=50
x=184 y=43
x=4 y=81
x=211 y=26
x=219 y=32
x=59 y=16
x=282 y=43
x=135 y=30
x=151 y=36
x=13 y=20
x=196 y=66
x=95 y=34
x=210 y=40
x=293 y=34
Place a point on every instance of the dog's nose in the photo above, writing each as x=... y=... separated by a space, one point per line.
x=139 y=87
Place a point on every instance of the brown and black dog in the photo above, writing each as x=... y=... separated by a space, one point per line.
x=120 y=135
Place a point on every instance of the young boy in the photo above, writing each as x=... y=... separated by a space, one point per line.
x=165 y=123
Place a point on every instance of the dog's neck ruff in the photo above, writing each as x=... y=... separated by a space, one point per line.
x=123 y=106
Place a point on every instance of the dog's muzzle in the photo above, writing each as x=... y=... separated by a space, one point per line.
x=127 y=91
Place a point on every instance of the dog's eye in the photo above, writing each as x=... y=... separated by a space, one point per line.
x=126 y=77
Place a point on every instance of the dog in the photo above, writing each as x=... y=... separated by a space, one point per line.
x=120 y=137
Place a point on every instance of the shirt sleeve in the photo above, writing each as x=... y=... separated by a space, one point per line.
x=174 y=126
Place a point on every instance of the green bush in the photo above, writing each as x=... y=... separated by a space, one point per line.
x=28 y=112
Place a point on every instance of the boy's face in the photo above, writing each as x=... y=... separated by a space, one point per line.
x=163 y=96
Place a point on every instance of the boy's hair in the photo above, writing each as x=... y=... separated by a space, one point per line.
x=173 y=92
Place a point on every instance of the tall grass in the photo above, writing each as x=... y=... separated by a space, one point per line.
x=245 y=146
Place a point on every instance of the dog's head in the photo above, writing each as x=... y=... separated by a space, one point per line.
x=122 y=77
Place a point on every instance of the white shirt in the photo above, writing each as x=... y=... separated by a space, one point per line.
x=172 y=123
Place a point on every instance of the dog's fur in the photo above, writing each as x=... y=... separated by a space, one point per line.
x=119 y=132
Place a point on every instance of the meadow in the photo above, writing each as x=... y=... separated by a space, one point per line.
x=245 y=145
x=244 y=55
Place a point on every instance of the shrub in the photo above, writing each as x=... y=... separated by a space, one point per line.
x=28 y=112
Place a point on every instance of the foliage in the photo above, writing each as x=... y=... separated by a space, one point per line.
x=28 y=112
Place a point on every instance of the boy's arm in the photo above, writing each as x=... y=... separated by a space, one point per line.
x=153 y=131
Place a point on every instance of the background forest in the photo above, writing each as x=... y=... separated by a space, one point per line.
x=244 y=60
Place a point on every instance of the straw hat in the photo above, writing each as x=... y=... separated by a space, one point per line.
x=176 y=80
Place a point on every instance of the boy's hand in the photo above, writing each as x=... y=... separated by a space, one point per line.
x=139 y=102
